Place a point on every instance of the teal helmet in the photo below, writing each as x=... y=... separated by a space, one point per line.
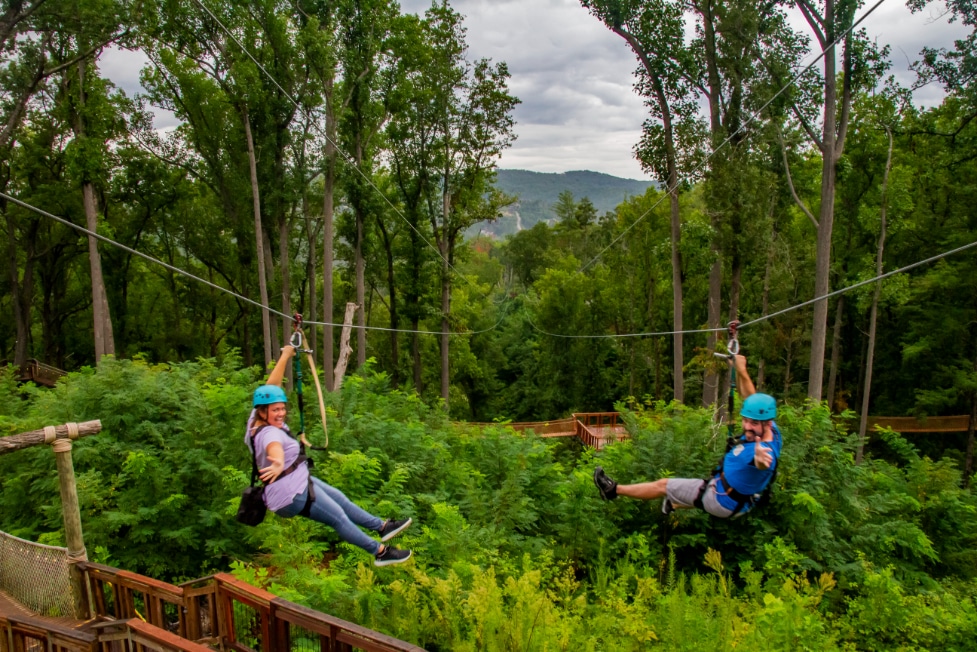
x=759 y=407
x=268 y=394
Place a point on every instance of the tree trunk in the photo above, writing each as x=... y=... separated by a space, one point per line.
x=286 y=286
x=394 y=317
x=259 y=236
x=678 y=360
x=360 y=292
x=835 y=351
x=710 y=384
x=765 y=306
x=101 y=317
x=310 y=271
x=870 y=358
x=104 y=339
x=735 y=277
x=678 y=363
x=445 y=301
x=270 y=268
x=968 y=467
x=21 y=292
x=415 y=354
x=329 y=181
x=832 y=147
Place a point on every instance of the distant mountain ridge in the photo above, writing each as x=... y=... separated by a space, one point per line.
x=538 y=191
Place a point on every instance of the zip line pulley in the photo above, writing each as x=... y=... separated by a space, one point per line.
x=733 y=349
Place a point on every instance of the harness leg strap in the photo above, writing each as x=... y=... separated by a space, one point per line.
x=309 y=501
x=702 y=492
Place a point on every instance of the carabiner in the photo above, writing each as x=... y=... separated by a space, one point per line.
x=296 y=340
x=733 y=345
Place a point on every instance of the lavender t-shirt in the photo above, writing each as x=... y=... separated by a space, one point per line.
x=282 y=491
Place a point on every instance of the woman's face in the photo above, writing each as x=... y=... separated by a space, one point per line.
x=276 y=415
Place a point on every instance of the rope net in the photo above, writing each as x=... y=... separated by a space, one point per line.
x=35 y=575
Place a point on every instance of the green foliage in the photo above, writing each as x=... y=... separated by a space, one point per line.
x=157 y=485
x=513 y=549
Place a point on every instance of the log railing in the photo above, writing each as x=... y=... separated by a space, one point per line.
x=119 y=595
x=22 y=633
x=219 y=611
x=252 y=620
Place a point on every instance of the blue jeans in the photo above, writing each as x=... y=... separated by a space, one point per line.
x=337 y=511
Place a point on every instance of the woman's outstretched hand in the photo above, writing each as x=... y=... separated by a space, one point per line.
x=276 y=458
x=271 y=472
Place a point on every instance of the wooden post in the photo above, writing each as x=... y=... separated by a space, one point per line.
x=344 y=348
x=72 y=513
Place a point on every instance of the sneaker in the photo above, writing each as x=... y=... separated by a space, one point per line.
x=667 y=507
x=391 y=555
x=606 y=486
x=392 y=528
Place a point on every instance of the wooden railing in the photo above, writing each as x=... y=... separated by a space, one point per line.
x=39 y=373
x=135 y=635
x=220 y=611
x=594 y=429
x=925 y=424
x=21 y=633
x=597 y=429
x=555 y=428
x=121 y=595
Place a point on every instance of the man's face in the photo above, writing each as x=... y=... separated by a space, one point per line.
x=753 y=429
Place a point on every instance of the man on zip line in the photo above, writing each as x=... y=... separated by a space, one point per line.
x=745 y=472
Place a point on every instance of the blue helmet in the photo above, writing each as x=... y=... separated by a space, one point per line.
x=759 y=407
x=268 y=394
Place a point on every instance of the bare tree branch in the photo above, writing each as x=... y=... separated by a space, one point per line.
x=790 y=184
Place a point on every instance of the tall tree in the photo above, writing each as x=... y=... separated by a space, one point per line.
x=93 y=122
x=655 y=33
x=366 y=68
x=473 y=125
x=861 y=64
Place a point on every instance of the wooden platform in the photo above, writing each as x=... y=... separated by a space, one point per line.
x=10 y=607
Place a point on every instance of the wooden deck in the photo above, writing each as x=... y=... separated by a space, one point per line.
x=133 y=613
x=594 y=429
x=10 y=607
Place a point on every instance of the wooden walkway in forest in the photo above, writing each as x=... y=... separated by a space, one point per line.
x=597 y=429
x=905 y=425
x=133 y=613
x=594 y=429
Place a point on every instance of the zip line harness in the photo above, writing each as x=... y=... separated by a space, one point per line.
x=742 y=500
x=297 y=341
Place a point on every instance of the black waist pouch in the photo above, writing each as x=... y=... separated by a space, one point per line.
x=252 y=509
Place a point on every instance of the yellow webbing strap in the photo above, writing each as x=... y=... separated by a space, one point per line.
x=318 y=388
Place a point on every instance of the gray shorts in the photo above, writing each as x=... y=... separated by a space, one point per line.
x=683 y=492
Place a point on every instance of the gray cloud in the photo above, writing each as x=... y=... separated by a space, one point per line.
x=575 y=78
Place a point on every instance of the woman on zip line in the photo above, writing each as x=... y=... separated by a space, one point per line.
x=290 y=490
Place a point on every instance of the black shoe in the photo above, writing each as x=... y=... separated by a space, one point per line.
x=391 y=555
x=392 y=528
x=667 y=507
x=606 y=486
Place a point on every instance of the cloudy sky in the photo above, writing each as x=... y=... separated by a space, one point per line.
x=574 y=77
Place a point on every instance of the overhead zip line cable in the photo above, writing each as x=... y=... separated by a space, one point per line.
x=753 y=116
x=346 y=157
x=880 y=277
x=758 y=320
x=213 y=285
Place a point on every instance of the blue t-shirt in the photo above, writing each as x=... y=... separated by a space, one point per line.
x=742 y=474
